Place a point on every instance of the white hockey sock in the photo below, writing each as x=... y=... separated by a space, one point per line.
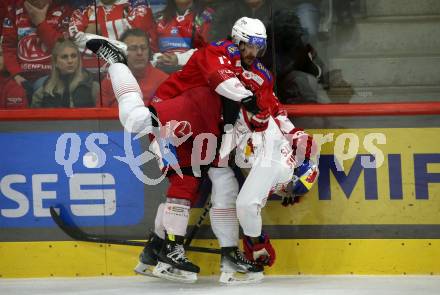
x=133 y=114
x=123 y=80
x=159 y=229
x=223 y=215
x=176 y=216
x=224 y=224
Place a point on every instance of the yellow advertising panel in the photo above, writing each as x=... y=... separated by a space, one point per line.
x=401 y=187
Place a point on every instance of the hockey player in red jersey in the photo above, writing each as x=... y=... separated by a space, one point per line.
x=192 y=95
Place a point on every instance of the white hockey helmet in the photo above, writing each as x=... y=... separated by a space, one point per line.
x=250 y=31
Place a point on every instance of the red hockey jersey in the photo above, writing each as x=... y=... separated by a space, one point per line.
x=26 y=48
x=216 y=63
x=184 y=32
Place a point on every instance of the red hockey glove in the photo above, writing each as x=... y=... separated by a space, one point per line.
x=286 y=195
x=260 y=121
x=261 y=252
x=303 y=145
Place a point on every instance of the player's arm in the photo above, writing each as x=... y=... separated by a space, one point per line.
x=219 y=72
x=141 y=17
x=50 y=33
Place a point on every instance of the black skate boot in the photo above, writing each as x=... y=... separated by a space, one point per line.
x=107 y=51
x=148 y=257
x=237 y=269
x=173 y=264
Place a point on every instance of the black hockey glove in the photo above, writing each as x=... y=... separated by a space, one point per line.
x=250 y=104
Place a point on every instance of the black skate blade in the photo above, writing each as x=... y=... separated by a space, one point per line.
x=95 y=44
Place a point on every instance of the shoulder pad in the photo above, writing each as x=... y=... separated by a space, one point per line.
x=263 y=70
x=218 y=43
x=233 y=50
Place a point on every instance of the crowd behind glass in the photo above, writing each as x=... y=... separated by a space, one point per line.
x=44 y=62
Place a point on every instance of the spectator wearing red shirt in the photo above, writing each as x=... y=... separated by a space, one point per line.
x=147 y=76
x=30 y=31
x=12 y=95
x=4 y=6
x=110 y=19
x=182 y=27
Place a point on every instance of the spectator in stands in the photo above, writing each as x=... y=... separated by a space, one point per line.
x=30 y=31
x=182 y=27
x=308 y=12
x=68 y=85
x=344 y=11
x=12 y=95
x=138 y=57
x=4 y=6
x=110 y=18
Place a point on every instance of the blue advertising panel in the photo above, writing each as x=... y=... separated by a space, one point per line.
x=79 y=172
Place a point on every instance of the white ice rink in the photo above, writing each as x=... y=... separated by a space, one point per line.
x=298 y=285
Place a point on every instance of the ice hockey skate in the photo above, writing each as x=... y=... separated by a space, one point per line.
x=148 y=257
x=173 y=264
x=237 y=269
x=107 y=50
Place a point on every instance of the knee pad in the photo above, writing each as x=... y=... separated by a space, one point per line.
x=176 y=216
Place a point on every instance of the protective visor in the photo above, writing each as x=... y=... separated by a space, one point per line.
x=258 y=43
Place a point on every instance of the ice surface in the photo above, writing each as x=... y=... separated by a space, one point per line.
x=273 y=285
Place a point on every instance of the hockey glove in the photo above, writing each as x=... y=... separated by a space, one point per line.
x=260 y=121
x=250 y=104
x=261 y=251
x=290 y=200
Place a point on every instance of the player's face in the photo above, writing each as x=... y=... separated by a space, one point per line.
x=138 y=52
x=248 y=53
x=67 y=61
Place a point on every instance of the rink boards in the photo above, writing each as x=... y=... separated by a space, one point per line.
x=363 y=217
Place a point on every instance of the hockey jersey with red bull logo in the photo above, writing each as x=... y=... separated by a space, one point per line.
x=26 y=47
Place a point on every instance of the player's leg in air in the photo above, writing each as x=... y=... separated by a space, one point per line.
x=172 y=216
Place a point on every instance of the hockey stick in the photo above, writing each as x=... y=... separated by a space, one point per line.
x=77 y=234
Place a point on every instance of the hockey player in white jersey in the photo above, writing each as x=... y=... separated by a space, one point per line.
x=279 y=157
